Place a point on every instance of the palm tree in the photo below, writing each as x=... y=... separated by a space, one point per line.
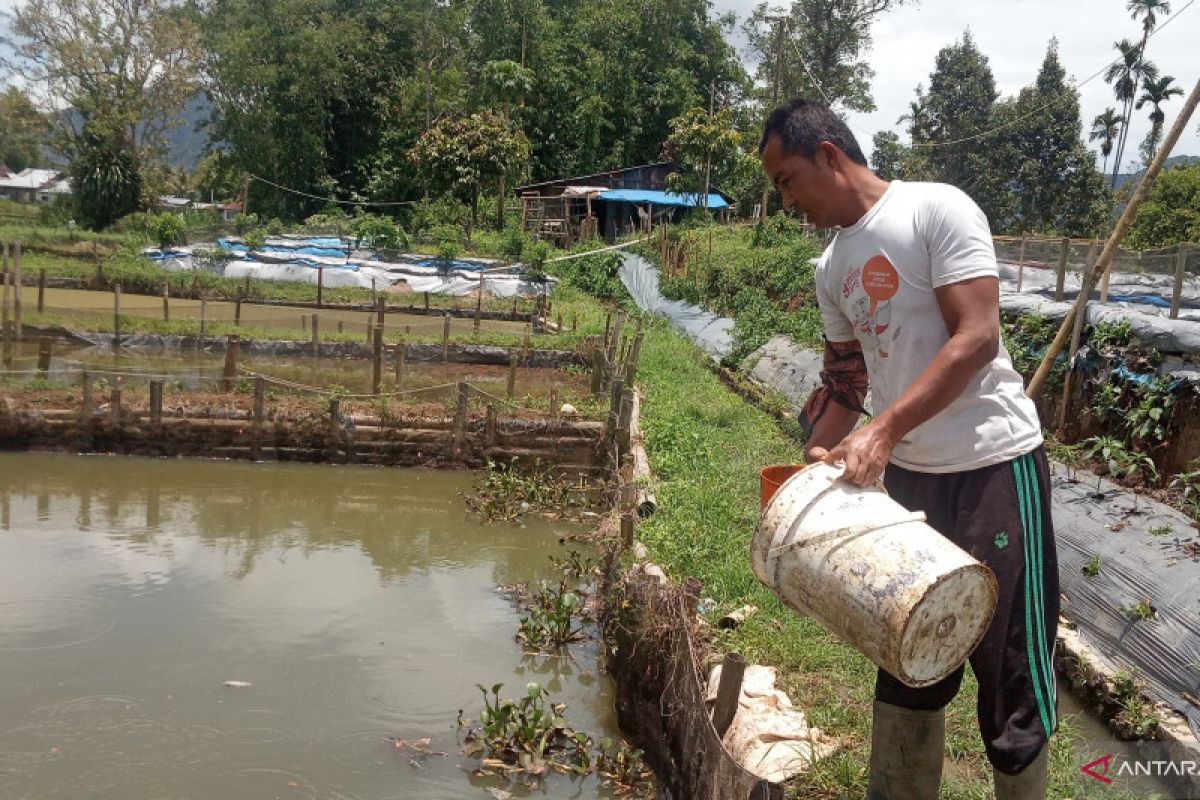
x=916 y=117
x=1125 y=74
x=1155 y=92
x=1148 y=10
x=1105 y=128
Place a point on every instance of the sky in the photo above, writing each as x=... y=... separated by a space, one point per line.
x=1013 y=34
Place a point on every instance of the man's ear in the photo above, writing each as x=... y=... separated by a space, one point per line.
x=830 y=155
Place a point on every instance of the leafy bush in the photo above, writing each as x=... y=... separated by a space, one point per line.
x=244 y=222
x=256 y=238
x=427 y=215
x=383 y=232
x=166 y=229
x=332 y=221
x=513 y=243
x=777 y=230
x=596 y=275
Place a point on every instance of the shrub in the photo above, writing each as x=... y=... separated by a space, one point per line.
x=166 y=229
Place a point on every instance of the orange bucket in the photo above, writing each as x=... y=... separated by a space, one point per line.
x=772 y=477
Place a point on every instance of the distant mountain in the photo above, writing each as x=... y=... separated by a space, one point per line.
x=1173 y=161
x=187 y=140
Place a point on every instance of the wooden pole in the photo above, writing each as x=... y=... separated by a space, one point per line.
x=116 y=316
x=1076 y=334
x=320 y=286
x=85 y=399
x=460 y=419
x=380 y=312
x=5 y=329
x=489 y=426
x=374 y=296
x=18 y=304
x=1180 y=270
x=41 y=306
x=623 y=420
x=728 y=691
x=525 y=348
x=260 y=393
x=203 y=317
x=237 y=312
x=1021 y=264
x=44 y=353
x=445 y=337
x=597 y=371
x=166 y=303
x=114 y=406
x=512 y=375
x=635 y=353
x=370 y=329
x=316 y=336
x=231 y=358
x=1107 y=277
x=400 y=366
x=304 y=323
x=377 y=366
x=1060 y=284
x=156 y=401
x=1115 y=239
x=553 y=406
x=627 y=524
x=426 y=301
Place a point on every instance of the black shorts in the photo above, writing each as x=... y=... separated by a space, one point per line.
x=1001 y=516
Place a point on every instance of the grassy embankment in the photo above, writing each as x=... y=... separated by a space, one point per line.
x=706 y=446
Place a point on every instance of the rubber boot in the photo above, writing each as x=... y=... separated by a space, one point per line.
x=1028 y=784
x=906 y=753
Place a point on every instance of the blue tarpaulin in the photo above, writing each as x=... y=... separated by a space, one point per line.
x=314 y=247
x=658 y=198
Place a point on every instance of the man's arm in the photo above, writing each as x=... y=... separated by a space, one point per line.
x=831 y=428
x=971 y=310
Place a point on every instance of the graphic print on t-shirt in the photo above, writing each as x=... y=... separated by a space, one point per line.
x=873 y=287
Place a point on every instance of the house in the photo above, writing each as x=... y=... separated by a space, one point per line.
x=33 y=185
x=610 y=203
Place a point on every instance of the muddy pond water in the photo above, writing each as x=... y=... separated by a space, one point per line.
x=193 y=629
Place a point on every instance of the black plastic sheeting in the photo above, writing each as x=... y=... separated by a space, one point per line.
x=1136 y=564
x=714 y=334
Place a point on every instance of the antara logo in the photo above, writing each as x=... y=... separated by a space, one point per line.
x=1103 y=764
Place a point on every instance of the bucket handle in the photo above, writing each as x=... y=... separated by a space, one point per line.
x=854 y=530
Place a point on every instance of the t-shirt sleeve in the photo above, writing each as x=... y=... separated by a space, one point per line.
x=958 y=237
x=837 y=327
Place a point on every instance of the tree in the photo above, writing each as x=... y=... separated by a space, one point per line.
x=1125 y=74
x=505 y=82
x=463 y=154
x=823 y=49
x=1155 y=92
x=1105 y=128
x=217 y=178
x=888 y=156
x=23 y=130
x=126 y=65
x=958 y=110
x=703 y=144
x=1171 y=214
x=105 y=176
x=1046 y=178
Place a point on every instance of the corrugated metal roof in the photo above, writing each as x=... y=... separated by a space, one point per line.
x=657 y=198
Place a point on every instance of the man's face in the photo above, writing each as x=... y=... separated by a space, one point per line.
x=806 y=184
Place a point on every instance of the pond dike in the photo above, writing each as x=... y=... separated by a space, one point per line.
x=1146 y=550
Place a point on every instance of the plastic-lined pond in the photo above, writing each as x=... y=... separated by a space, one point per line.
x=345 y=606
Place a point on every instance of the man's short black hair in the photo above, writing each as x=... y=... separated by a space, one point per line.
x=802 y=125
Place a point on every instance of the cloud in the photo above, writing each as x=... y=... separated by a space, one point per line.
x=1014 y=35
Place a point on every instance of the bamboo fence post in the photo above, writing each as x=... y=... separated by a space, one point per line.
x=512 y=375
x=627 y=524
x=114 y=406
x=1021 y=265
x=635 y=355
x=400 y=366
x=1180 y=270
x=316 y=336
x=489 y=426
x=232 y=346
x=156 y=402
x=553 y=406
x=623 y=433
x=237 y=312
x=597 y=371
x=5 y=331
x=44 y=353
x=445 y=336
x=525 y=348
x=166 y=303
x=41 y=306
x=320 y=286
x=607 y=330
x=1118 y=235
x=370 y=329
x=1076 y=334
x=203 y=316
x=116 y=316
x=377 y=363
x=246 y=288
x=260 y=394
x=18 y=304
x=1061 y=279
x=728 y=691
x=460 y=419
x=1107 y=274
x=479 y=303
x=374 y=297
x=380 y=312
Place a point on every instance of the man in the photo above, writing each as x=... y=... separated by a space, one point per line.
x=909 y=294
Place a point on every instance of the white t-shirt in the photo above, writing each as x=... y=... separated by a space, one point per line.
x=875 y=284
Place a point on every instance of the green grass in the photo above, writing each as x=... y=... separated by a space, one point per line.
x=706 y=446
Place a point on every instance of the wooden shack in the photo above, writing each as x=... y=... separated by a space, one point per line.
x=610 y=203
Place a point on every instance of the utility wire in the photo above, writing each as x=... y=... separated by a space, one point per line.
x=1043 y=107
x=282 y=188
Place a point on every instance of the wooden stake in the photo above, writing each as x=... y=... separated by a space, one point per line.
x=400 y=366
x=1021 y=264
x=304 y=323
x=1076 y=333
x=85 y=400
x=116 y=315
x=445 y=337
x=237 y=312
x=44 y=352
x=377 y=366
x=627 y=524
x=166 y=303
x=231 y=358
x=156 y=401
x=380 y=312
x=320 y=287
x=260 y=393
x=1180 y=270
x=6 y=344
x=728 y=692
x=18 y=304
x=316 y=336
x=597 y=371
x=203 y=317
x=114 y=407
x=41 y=306
x=460 y=419
x=512 y=375
x=1114 y=240
x=489 y=427
x=554 y=406
x=1064 y=252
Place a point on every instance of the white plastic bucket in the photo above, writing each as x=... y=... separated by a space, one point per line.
x=874 y=574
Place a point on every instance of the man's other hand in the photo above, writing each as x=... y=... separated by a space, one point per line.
x=865 y=453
